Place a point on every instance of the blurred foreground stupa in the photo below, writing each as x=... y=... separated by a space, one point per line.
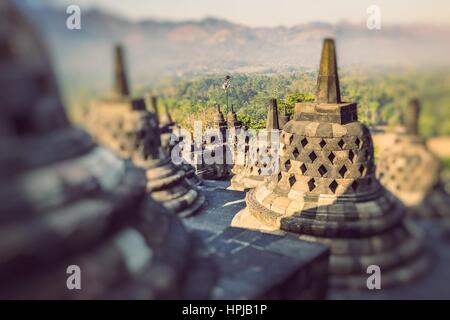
x=326 y=191
x=123 y=124
x=262 y=156
x=66 y=201
x=411 y=172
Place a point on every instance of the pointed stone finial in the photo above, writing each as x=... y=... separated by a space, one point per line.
x=411 y=117
x=328 y=90
x=120 y=75
x=272 y=116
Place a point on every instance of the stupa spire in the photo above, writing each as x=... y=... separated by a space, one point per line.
x=121 y=87
x=154 y=107
x=328 y=90
x=272 y=116
x=411 y=117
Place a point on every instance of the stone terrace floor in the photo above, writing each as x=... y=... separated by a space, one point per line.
x=223 y=204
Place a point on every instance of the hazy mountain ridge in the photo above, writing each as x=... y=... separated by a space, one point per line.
x=213 y=45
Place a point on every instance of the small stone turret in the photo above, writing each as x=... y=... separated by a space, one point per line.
x=216 y=152
x=262 y=155
x=410 y=171
x=125 y=126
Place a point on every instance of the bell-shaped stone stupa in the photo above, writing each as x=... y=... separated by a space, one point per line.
x=262 y=156
x=123 y=124
x=411 y=172
x=326 y=191
x=71 y=206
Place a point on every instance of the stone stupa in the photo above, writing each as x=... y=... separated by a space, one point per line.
x=170 y=137
x=411 y=172
x=262 y=156
x=326 y=192
x=166 y=123
x=123 y=124
x=215 y=150
x=69 y=202
x=235 y=131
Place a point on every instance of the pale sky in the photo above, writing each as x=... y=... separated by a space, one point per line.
x=276 y=12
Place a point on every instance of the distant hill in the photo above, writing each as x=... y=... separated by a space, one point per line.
x=211 y=45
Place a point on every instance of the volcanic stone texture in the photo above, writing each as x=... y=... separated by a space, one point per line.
x=134 y=134
x=256 y=265
x=67 y=201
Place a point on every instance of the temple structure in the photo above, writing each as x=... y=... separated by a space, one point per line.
x=166 y=123
x=410 y=171
x=215 y=152
x=262 y=155
x=326 y=191
x=69 y=204
x=236 y=142
x=123 y=124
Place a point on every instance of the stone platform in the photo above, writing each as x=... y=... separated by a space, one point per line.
x=256 y=265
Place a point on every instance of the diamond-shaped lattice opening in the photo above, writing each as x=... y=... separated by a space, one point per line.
x=311 y=184
x=351 y=155
x=213 y=139
x=322 y=143
x=247 y=139
x=287 y=165
x=333 y=186
x=295 y=152
x=312 y=156
x=343 y=171
x=322 y=170
x=291 y=138
x=213 y=153
x=341 y=143
x=259 y=171
x=265 y=164
x=361 y=169
x=292 y=180
x=331 y=157
x=303 y=168
x=358 y=142
x=280 y=176
x=304 y=142
x=354 y=185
